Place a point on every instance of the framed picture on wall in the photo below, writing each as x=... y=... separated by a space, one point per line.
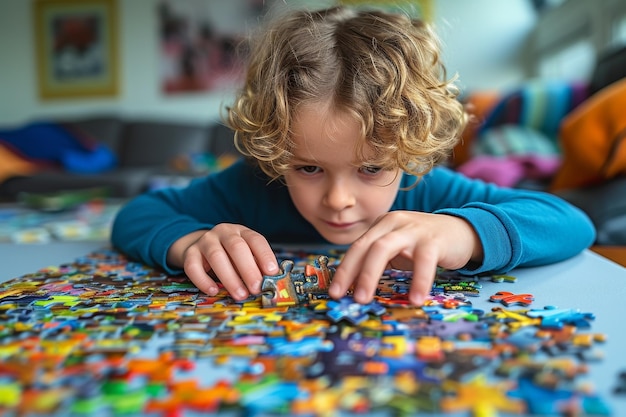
x=76 y=48
x=200 y=43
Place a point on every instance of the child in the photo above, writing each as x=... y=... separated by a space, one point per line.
x=344 y=115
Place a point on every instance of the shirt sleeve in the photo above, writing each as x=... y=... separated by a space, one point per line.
x=516 y=227
x=150 y=223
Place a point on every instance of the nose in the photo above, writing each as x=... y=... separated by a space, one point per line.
x=339 y=194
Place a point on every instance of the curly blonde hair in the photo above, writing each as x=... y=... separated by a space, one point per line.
x=384 y=68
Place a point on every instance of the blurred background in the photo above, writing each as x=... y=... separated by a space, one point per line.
x=111 y=98
x=491 y=44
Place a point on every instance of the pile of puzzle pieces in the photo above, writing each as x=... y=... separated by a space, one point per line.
x=89 y=221
x=105 y=336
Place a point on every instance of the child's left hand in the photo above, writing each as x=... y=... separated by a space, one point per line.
x=410 y=241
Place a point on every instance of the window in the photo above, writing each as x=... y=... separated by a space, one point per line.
x=618 y=35
x=574 y=62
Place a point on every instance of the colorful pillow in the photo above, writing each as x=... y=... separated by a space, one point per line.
x=538 y=104
x=507 y=155
x=13 y=165
x=593 y=140
x=514 y=140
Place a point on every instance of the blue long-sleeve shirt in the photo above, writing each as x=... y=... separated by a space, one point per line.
x=516 y=227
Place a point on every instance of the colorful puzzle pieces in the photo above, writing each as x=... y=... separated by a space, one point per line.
x=104 y=336
x=350 y=310
x=291 y=288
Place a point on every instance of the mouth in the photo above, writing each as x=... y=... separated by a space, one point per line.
x=340 y=226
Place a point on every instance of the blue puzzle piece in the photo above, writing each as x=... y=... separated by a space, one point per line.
x=269 y=397
x=555 y=318
x=350 y=310
x=307 y=346
x=541 y=400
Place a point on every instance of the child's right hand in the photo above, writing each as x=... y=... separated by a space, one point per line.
x=237 y=255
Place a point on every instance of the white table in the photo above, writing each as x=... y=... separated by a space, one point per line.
x=590 y=283
x=18 y=260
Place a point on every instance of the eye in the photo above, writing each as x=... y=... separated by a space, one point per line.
x=309 y=169
x=370 y=170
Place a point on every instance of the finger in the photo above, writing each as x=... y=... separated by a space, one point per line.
x=243 y=262
x=263 y=252
x=424 y=271
x=222 y=266
x=352 y=263
x=374 y=264
x=362 y=266
x=195 y=270
x=347 y=271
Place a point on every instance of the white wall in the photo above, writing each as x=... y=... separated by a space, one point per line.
x=484 y=40
x=482 y=43
x=568 y=40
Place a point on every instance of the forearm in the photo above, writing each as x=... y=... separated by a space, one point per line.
x=531 y=230
x=147 y=226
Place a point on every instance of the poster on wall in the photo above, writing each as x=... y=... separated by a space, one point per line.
x=76 y=48
x=199 y=43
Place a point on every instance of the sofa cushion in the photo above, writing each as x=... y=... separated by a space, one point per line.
x=144 y=148
x=222 y=141
x=107 y=130
x=155 y=144
x=121 y=182
x=605 y=205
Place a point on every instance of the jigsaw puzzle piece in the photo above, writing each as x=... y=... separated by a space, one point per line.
x=291 y=287
x=509 y=299
x=556 y=318
x=278 y=290
x=481 y=398
x=348 y=309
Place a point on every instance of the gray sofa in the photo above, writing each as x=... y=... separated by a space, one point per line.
x=143 y=148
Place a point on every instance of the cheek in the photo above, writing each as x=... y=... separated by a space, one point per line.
x=297 y=196
x=382 y=198
x=381 y=202
x=301 y=196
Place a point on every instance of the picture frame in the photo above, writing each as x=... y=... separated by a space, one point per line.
x=76 y=48
x=201 y=42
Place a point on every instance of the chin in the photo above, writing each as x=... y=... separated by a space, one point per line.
x=339 y=239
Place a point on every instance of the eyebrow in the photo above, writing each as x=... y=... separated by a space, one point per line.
x=303 y=161
x=300 y=161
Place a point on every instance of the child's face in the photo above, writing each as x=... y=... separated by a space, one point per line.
x=338 y=194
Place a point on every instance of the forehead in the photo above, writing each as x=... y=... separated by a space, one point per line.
x=319 y=128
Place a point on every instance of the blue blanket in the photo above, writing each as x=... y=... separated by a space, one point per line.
x=53 y=144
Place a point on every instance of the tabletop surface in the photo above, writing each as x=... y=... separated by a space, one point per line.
x=588 y=285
